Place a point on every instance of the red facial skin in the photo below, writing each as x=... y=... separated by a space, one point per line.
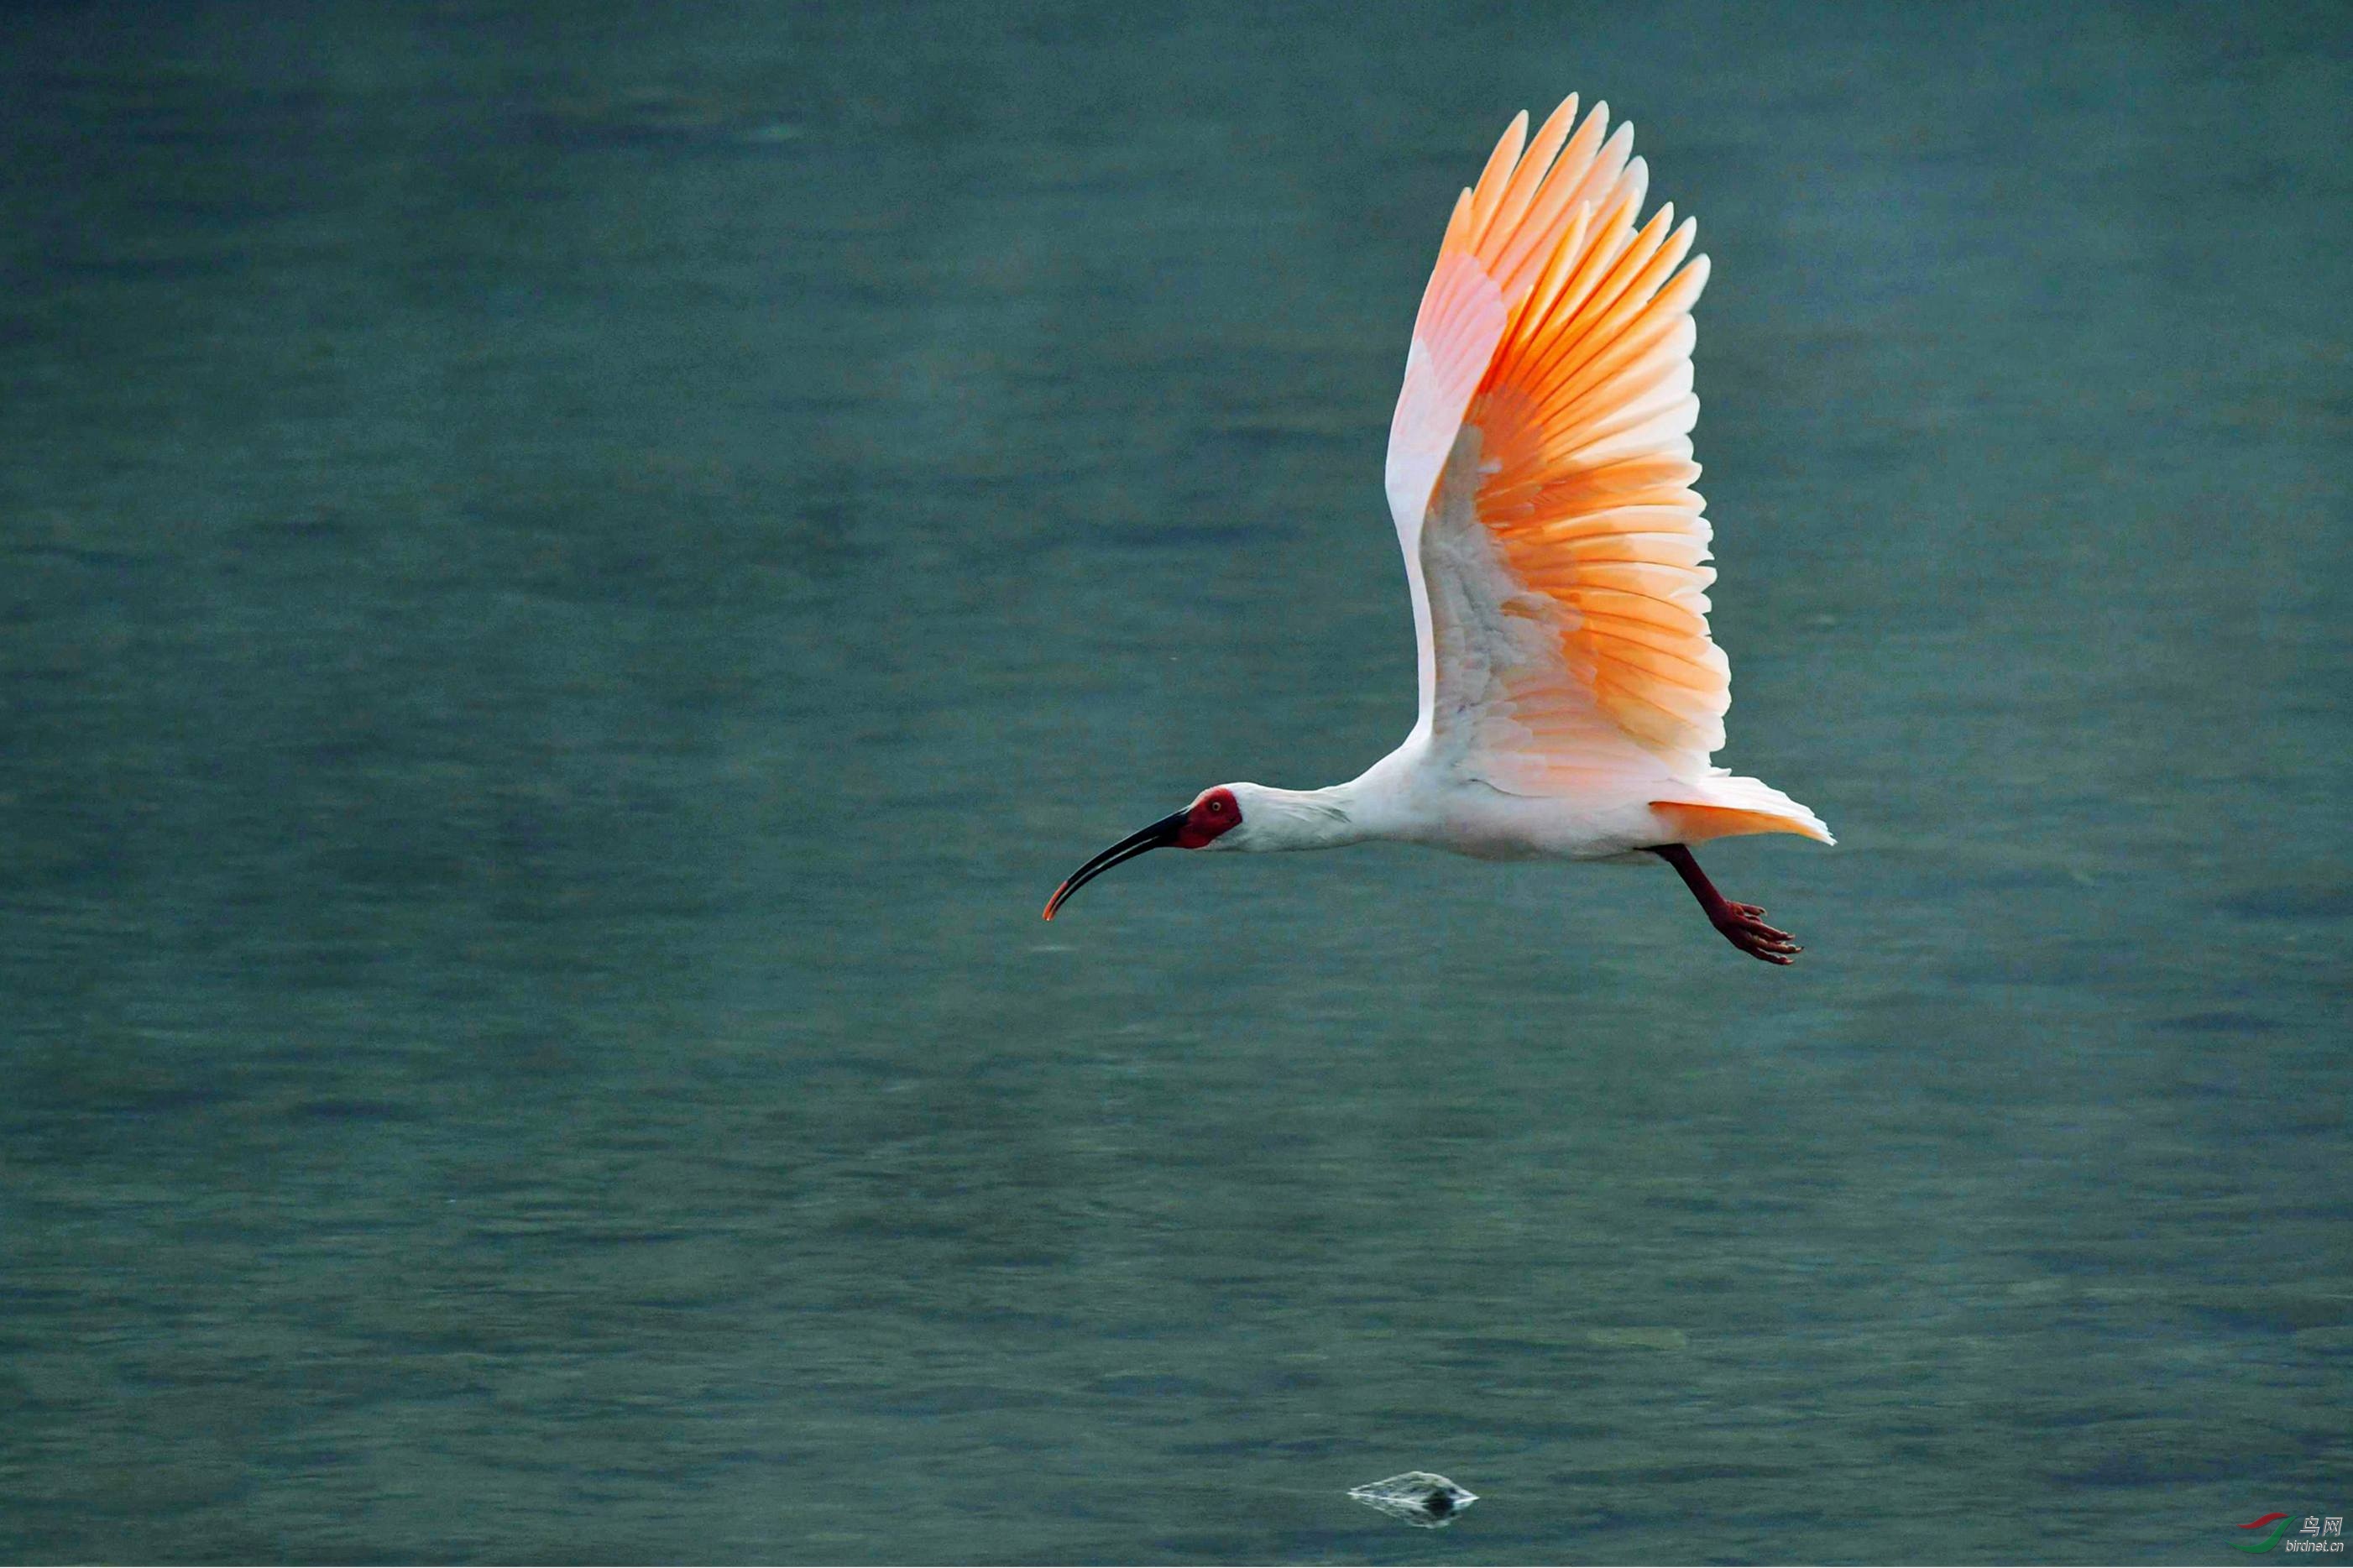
x=1213 y=814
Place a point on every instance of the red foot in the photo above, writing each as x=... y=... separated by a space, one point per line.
x=1743 y=925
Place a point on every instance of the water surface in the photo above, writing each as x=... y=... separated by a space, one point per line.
x=573 y=575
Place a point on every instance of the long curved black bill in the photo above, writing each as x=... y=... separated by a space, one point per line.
x=1160 y=833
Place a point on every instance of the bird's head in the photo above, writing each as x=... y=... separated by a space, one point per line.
x=1219 y=818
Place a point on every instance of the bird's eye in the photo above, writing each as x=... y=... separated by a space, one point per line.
x=1217 y=808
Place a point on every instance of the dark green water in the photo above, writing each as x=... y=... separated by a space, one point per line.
x=574 y=574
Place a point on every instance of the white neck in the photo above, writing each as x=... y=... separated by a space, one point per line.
x=1275 y=819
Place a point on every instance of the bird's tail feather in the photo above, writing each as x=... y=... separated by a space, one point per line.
x=1722 y=806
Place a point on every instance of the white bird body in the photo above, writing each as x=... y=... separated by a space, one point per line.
x=1539 y=475
x=1409 y=798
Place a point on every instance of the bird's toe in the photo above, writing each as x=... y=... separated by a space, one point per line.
x=1759 y=940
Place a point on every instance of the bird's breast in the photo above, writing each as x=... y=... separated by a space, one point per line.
x=1488 y=824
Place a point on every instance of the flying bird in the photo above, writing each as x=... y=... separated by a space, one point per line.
x=1539 y=474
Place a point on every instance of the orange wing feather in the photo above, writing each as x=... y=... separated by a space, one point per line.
x=1585 y=415
x=1579 y=424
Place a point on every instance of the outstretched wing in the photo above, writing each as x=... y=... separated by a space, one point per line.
x=1539 y=473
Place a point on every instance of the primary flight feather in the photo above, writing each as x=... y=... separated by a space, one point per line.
x=1539 y=475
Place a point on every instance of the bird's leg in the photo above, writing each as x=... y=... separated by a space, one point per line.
x=1743 y=925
